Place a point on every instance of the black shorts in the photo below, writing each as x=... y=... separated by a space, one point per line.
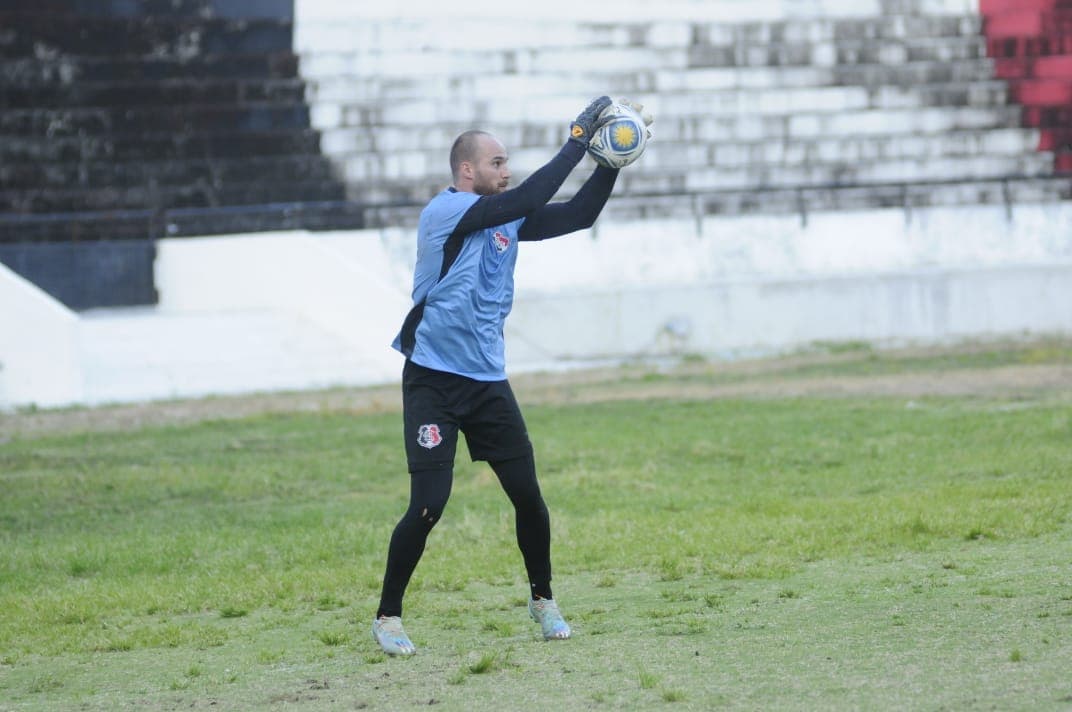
x=437 y=405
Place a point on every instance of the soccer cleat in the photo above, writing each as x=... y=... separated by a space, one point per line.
x=545 y=612
x=388 y=632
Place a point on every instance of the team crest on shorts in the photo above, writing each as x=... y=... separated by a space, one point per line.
x=502 y=242
x=428 y=436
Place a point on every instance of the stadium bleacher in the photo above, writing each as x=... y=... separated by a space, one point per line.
x=124 y=122
x=759 y=116
x=786 y=131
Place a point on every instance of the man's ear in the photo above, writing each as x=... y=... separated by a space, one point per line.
x=466 y=169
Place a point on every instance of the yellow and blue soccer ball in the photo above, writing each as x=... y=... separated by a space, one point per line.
x=622 y=139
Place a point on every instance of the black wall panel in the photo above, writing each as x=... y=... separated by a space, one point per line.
x=132 y=120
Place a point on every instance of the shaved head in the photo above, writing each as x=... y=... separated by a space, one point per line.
x=465 y=149
x=478 y=163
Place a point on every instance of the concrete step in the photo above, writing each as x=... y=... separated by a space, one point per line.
x=247 y=9
x=147 y=35
x=195 y=91
x=413 y=115
x=893 y=121
x=856 y=29
x=833 y=53
x=665 y=156
x=402 y=205
x=398 y=35
x=77 y=121
x=222 y=145
x=670 y=157
x=321 y=11
x=157 y=197
x=368 y=91
x=390 y=35
x=141 y=223
x=965 y=168
x=806 y=100
x=406 y=61
x=805 y=200
x=35 y=176
x=531 y=143
x=910 y=74
x=111 y=225
x=640 y=200
x=34 y=71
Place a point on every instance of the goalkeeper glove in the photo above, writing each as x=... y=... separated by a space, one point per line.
x=587 y=121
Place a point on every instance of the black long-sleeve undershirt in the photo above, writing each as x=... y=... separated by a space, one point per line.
x=577 y=213
x=529 y=200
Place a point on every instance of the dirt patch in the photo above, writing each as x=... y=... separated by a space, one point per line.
x=904 y=373
x=1005 y=382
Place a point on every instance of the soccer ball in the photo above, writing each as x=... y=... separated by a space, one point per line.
x=621 y=140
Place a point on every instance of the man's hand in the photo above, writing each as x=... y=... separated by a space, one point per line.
x=584 y=126
x=645 y=116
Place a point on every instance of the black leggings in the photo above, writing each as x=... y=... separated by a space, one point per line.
x=429 y=491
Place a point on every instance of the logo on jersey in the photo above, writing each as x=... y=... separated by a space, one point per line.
x=428 y=436
x=502 y=242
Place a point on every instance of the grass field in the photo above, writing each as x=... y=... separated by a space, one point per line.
x=849 y=530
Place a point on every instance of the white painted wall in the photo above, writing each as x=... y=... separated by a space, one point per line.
x=39 y=352
x=761 y=284
x=298 y=310
x=734 y=318
x=343 y=283
x=657 y=253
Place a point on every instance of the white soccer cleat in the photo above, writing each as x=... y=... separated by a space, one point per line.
x=392 y=638
x=545 y=612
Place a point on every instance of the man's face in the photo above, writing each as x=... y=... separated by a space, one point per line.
x=491 y=173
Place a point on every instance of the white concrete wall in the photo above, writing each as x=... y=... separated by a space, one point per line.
x=735 y=318
x=656 y=253
x=297 y=310
x=729 y=286
x=39 y=350
x=723 y=286
x=252 y=313
x=345 y=284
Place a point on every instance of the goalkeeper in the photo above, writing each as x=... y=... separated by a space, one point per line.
x=454 y=377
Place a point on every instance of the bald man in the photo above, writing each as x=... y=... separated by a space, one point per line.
x=454 y=378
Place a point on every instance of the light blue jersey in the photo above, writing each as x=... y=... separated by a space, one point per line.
x=460 y=329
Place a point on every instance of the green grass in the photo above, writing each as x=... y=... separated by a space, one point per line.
x=838 y=553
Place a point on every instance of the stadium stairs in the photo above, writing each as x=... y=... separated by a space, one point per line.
x=898 y=108
x=845 y=116
x=127 y=121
